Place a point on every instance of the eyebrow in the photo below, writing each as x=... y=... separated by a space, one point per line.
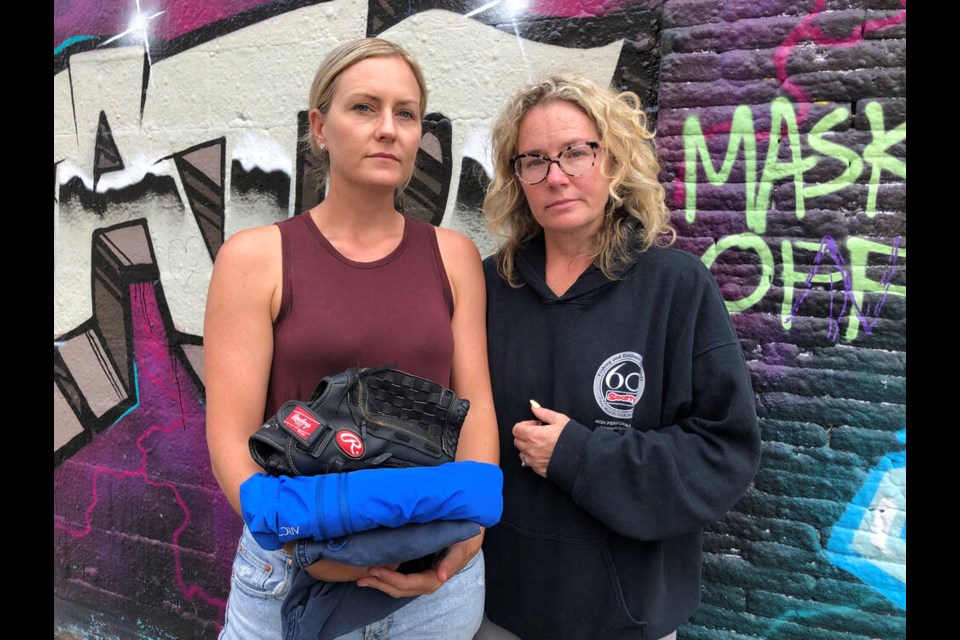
x=363 y=95
x=563 y=147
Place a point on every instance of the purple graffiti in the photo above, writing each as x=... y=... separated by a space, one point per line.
x=806 y=30
x=868 y=318
x=163 y=436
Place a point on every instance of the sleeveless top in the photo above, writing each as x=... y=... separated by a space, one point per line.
x=336 y=313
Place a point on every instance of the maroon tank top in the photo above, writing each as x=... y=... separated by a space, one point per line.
x=336 y=313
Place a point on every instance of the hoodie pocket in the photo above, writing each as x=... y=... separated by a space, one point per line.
x=552 y=586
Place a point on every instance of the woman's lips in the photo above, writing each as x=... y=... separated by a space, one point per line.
x=560 y=203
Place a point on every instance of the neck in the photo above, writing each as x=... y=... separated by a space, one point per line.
x=362 y=210
x=566 y=258
x=569 y=247
x=363 y=226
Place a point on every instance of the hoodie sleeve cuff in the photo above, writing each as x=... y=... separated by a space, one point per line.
x=564 y=467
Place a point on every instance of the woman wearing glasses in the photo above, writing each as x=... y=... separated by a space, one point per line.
x=647 y=431
x=351 y=282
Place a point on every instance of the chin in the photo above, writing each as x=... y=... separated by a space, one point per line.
x=558 y=225
x=394 y=181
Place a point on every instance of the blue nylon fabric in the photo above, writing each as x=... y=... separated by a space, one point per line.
x=278 y=509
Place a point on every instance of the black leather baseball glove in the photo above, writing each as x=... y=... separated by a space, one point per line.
x=362 y=419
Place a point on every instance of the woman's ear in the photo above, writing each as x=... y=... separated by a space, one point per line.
x=317 y=121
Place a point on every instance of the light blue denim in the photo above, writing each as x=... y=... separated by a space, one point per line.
x=261 y=580
x=452 y=612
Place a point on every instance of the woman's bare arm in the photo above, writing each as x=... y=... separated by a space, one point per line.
x=470 y=377
x=242 y=300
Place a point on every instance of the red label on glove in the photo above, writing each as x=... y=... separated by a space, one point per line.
x=350 y=443
x=301 y=423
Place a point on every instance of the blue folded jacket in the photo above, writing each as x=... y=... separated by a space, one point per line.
x=278 y=509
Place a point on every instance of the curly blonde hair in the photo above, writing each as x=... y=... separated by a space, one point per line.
x=631 y=165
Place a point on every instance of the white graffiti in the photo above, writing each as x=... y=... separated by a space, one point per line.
x=247 y=87
x=870 y=538
x=879 y=538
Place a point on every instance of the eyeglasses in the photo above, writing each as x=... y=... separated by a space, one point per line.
x=575 y=160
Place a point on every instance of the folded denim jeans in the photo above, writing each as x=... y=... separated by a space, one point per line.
x=315 y=610
x=385 y=546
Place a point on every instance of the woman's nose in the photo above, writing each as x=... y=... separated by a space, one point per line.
x=558 y=176
x=387 y=127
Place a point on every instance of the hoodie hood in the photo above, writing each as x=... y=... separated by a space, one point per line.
x=531 y=260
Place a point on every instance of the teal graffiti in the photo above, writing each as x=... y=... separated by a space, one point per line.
x=809 y=617
x=870 y=538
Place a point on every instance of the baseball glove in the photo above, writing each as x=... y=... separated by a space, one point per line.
x=362 y=419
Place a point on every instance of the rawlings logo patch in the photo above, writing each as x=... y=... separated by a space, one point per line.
x=350 y=443
x=301 y=423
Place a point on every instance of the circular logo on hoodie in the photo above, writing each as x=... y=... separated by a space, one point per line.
x=619 y=384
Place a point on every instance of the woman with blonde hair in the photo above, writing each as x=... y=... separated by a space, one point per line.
x=627 y=419
x=350 y=283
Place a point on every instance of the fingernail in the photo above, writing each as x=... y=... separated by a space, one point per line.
x=534 y=404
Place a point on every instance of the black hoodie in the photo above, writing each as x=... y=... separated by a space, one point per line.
x=663 y=440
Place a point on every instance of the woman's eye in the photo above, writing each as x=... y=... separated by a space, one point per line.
x=532 y=162
x=407 y=115
x=362 y=108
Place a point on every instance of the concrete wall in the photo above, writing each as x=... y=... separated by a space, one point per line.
x=782 y=134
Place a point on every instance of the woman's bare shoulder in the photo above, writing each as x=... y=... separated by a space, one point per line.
x=456 y=248
x=249 y=264
x=258 y=244
x=461 y=260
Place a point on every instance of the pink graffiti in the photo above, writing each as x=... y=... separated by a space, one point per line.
x=868 y=319
x=575 y=8
x=106 y=18
x=157 y=370
x=805 y=30
x=78 y=18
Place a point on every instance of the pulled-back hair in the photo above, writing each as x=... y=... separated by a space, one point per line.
x=631 y=165
x=325 y=81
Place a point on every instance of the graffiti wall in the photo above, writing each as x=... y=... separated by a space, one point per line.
x=782 y=134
